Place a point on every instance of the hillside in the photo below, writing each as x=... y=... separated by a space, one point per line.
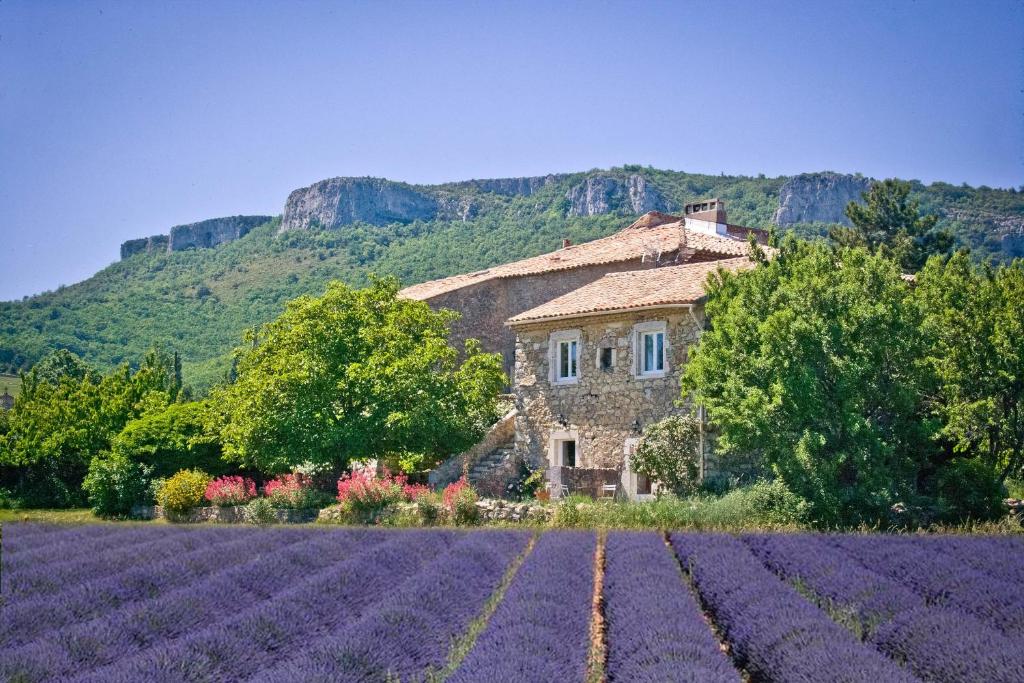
x=197 y=301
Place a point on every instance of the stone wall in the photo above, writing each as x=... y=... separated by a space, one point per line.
x=599 y=410
x=226 y=515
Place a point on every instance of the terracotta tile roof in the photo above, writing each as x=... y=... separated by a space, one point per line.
x=648 y=236
x=634 y=289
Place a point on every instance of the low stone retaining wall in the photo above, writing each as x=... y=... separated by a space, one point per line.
x=222 y=515
x=494 y=510
x=491 y=510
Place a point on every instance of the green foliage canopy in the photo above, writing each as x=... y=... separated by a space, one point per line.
x=890 y=221
x=974 y=325
x=67 y=414
x=172 y=437
x=357 y=374
x=812 y=363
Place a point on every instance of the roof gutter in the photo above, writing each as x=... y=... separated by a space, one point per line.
x=594 y=314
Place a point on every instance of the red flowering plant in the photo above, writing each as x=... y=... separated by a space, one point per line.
x=365 y=497
x=225 y=491
x=460 y=500
x=291 y=491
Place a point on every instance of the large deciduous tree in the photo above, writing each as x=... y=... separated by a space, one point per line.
x=357 y=374
x=812 y=363
x=974 y=325
x=68 y=413
x=890 y=222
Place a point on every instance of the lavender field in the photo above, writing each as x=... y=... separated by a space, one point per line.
x=167 y=603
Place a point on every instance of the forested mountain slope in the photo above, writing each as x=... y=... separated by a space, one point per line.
x=198 y=301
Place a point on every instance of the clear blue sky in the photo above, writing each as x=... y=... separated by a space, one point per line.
x=118 y=120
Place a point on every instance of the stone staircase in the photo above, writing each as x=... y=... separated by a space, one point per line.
x=491 y=464
x=483 y=459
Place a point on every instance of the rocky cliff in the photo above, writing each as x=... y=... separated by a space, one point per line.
x=201 y=235
x=144 y=245
x=210 y=233
x=336 y=202
x=818 y=198
x=599 y=194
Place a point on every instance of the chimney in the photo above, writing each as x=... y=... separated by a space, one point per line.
x=566 y=242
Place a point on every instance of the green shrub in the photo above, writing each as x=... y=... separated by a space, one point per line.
x=184 y=490
x=429 y=509
x=576 y=511
x=114 y=484
x=259 y=511
x=772 y=502
x=172 y=438
x=670 y=454
x=153 y=490
x=968 y=489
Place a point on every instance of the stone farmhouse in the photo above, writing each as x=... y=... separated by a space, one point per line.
x=594 y=338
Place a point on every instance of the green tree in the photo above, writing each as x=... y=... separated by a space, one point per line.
x=891 y=223
x=67 y=414
x=811 y=363
x=357 y=373
x=974 y=325
x=173 y=437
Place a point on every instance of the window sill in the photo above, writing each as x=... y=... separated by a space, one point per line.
x=565 y=382
x=652 y=375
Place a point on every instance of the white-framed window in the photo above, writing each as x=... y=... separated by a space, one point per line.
x=565 y=357
x=650 y=349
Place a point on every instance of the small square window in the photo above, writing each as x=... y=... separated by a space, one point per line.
x=607 y=359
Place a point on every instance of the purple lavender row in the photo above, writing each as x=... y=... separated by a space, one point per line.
x=940 y=578
x=655 y=629
x=411 y=631
x=66 y=547
x=21 y=537
x=987 y=554
x=954 y=648
x=145 y=579
x=312 y=606
x=776 y=634
x=541 y=629
x=136 y=627
x=30 y=581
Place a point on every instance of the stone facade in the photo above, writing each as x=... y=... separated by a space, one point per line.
x=605 y=410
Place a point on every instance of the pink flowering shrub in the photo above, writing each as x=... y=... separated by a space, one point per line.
x=411 y=492
x=226 y=491
x=366 y=497
x=290 y=491
x=460 y=500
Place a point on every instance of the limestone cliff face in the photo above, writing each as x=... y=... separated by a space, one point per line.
x=818 y=198
x=336 y=202
x=143 y=245
x=210 y=233
x=604 y=194
x=201 y=235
